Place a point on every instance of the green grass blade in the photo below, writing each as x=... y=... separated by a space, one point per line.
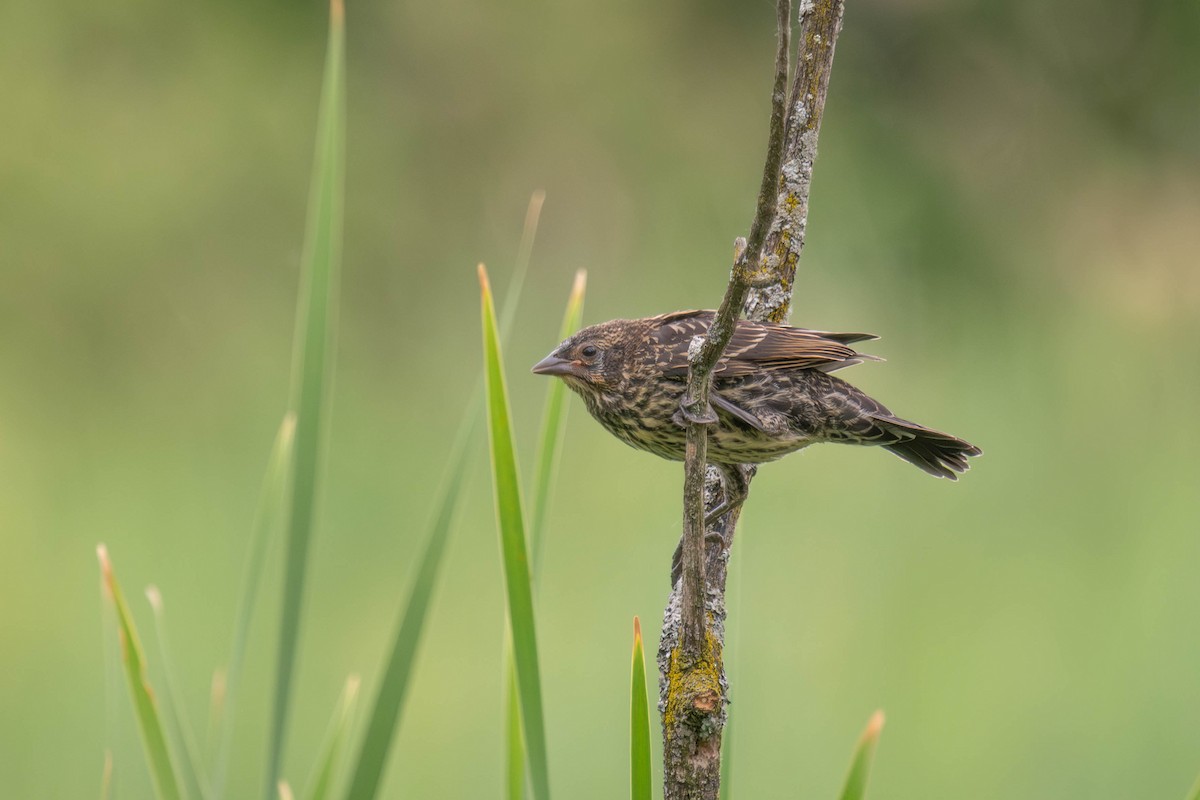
x=268 y=520
x=154 y=741
x=216 y=710
x=517 y=577
x=322 y=782
x=389 y=702
x=514 y=736
x=554 y=419
x=515 y=744
x=106 y=776
x=112 y=682
x=1194 y=794
x=179 y=727
x=312 y=368
x=385 y=713
x=639 y=722
x=864 y=753
x=533 y=215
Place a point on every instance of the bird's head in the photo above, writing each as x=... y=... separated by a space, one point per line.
x=592 y=360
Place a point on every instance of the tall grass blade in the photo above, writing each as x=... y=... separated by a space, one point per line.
x=1194 y=794
x=533 y=215
x=106 y=776
x=515 y=747
x=154 y=741
x=639 y=722
x=554 y=419
x=367 y=771
x=390 y=700
x=385 y=712
x=216 y=713
x=864 y=754
x=339 y=725
x=517 y=577
x=179 y=727
x=112 y=681
x=268 y=520
x=514 y=737
x=312 y=369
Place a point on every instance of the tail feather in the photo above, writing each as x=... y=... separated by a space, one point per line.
x=937 y=453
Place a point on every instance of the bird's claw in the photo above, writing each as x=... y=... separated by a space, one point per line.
x=735 y=487
x=684 y=415
x=710 y=537
x=723 y=508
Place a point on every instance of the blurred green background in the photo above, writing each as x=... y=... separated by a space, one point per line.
x=1008 y=192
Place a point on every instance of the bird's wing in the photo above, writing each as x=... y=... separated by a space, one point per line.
x=755 y=346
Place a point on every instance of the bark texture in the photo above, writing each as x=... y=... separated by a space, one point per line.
x=693 y=692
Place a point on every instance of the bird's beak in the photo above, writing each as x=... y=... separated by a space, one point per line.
x=553 y=365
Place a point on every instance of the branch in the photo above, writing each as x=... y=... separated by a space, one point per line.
x=705 y=352
x=820 y=23
x=692 y=685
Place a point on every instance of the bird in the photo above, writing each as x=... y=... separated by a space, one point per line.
x=772 y=393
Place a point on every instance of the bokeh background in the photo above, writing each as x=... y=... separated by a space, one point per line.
x=1008 y=192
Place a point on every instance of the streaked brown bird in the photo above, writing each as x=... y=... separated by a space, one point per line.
x=772 y=394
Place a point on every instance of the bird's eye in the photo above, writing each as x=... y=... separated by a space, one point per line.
x=589 y=351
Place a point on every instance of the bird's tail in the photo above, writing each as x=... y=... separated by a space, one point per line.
x=937 y=453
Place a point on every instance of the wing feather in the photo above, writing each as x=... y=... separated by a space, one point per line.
x=728 y=406
x=755 y=346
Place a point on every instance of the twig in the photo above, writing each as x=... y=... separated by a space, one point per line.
x=706 y=351
x=692 y=686
x=820 y=23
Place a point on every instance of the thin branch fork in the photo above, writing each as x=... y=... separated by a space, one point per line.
x=692 y=685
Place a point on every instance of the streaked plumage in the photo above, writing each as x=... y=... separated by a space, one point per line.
x=772 y=392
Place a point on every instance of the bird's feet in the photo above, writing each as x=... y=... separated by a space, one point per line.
x=735 y=483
